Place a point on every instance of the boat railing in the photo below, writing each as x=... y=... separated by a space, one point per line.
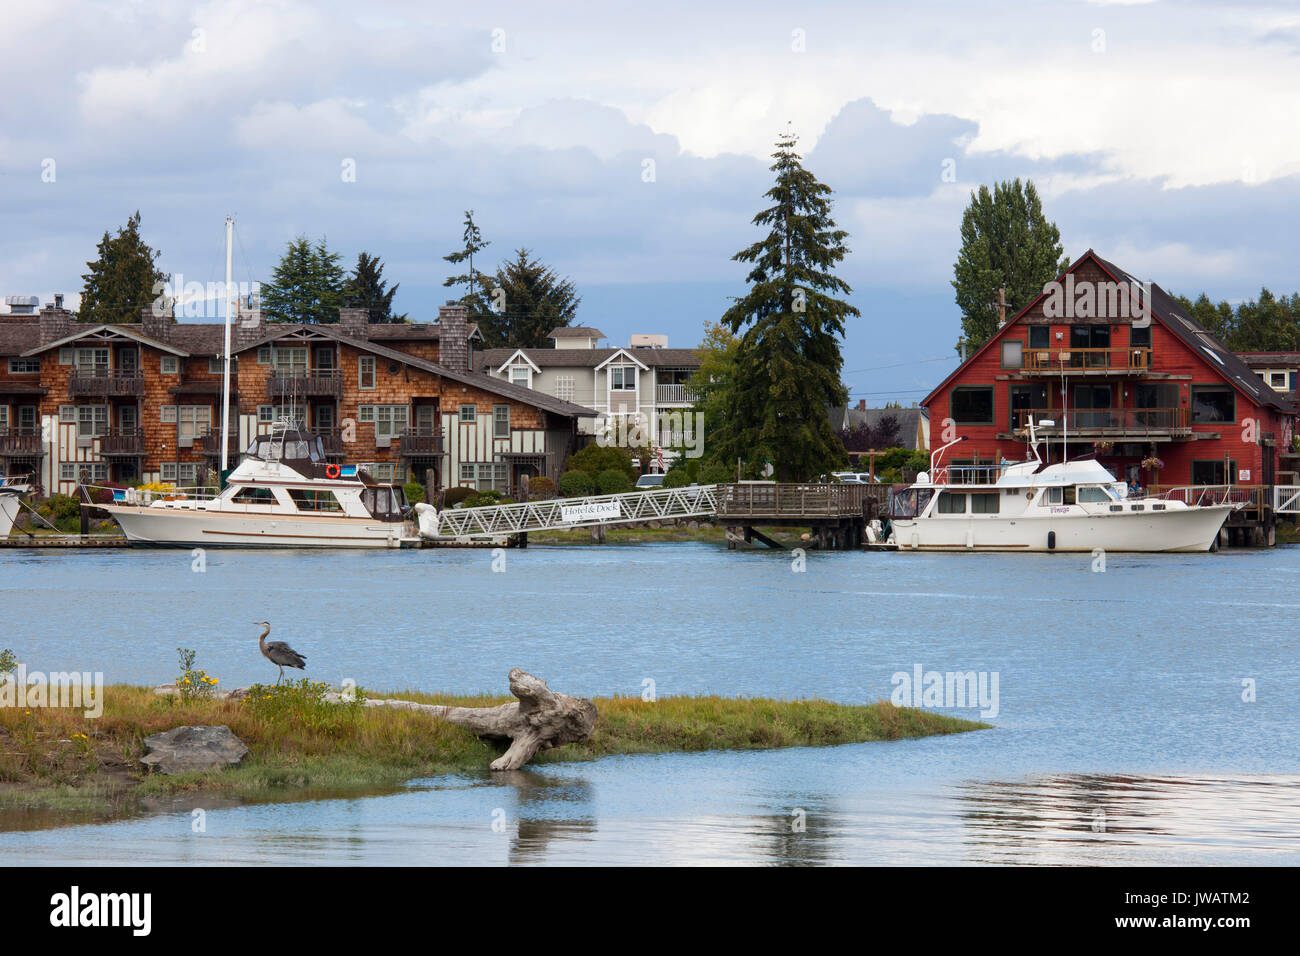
x=147 y=495
x=1202 y=495
x=976 y=474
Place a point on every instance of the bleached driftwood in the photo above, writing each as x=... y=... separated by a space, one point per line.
x=539 y=720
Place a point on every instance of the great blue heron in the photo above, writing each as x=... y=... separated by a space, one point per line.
x=278 y=652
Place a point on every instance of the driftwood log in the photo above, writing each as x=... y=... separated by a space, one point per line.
x=539 y=720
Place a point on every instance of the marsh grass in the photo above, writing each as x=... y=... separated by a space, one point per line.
x=57 y=757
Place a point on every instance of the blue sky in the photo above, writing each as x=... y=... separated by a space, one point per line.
x=1163 y=134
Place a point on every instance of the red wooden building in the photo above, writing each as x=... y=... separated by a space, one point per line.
x=1125 y=375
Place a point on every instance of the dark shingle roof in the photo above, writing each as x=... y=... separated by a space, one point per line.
x=19 y=336
x=575 y=332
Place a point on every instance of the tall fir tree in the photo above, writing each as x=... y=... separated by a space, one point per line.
x=1006 y=243
x=474 y=243
x=367 y=288
x=788 y=362
x=519 y=304
x=122 y=279
x=307 y=286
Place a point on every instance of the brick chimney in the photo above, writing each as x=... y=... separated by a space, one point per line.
x=55 y=322
x=354 y=321
x=862 y=404
x=453 y=337
x=156 y=325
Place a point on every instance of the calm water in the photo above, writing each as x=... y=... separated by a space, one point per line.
x=1121 y=735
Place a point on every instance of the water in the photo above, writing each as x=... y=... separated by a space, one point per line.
x=1121 y=735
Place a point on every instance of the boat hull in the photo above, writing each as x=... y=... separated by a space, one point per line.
x=167 y=527
x=1187 y=529
x=10 y=505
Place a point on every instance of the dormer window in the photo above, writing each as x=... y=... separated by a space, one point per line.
x=622 y=378
x=521 y=375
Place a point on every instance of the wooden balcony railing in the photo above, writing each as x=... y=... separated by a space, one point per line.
x=791 y=500
x=104 y=381
x=208 y=442
x=1112 y=422
x=1094 y=360
x=422 y=441
x=308 y=382
x=20 y=442
x=121 y=442
x=673 y=395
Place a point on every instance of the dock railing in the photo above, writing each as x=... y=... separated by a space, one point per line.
x=792 y=500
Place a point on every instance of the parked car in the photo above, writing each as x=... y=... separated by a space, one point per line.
x=650 y=481
x=851 y=477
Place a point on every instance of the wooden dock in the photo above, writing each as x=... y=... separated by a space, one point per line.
x=65 y=541
x=836 y=514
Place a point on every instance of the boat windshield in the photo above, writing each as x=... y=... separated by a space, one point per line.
x=287 y=446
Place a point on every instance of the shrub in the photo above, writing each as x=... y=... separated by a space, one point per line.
x=483 y=498
x=541 y=487
x=454 y=496
x=574 y=484
x=716 y=474
x=303 y=705
x=414 y=492
x=595 y=459
x=613 y=481
x=7 y=661
x=677 y=478
x=193 y=683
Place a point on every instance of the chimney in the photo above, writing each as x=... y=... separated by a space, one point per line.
x=248 y=325
x=55 y=322
x=862 y=404
x=58 y=300
x=156 y=325
x=354 y=321
x=453 y=337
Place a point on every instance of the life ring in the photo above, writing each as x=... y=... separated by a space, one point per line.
x=332 y=470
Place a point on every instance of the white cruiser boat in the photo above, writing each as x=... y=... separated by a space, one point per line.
x=284 y=494
x=1026 y=506
x=12 y=490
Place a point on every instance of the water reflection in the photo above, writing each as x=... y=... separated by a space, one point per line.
x=1091 y=818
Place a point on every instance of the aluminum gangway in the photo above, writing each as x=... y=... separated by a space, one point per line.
x=554 y=514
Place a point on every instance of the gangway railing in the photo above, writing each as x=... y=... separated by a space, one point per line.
x=1286 y=499
x=553 y=514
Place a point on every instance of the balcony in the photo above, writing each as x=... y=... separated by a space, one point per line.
x=423 y=441
x=305 y=382
x=121 y=443
x=100 y=381
x=1054 y=361
x=20 y=442
x=1154 y=423
x=331 y=440
x=673 y=395
x=208 y=442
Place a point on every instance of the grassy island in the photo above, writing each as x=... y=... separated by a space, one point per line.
x=58 y=761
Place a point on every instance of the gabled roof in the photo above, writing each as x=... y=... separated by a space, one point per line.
x=518 y=353
x=123 y=329
x=626 y=354
x=481 y=380
x=590 y=358
x=1171 y=316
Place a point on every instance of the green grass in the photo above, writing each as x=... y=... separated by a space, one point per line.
x=299 y=745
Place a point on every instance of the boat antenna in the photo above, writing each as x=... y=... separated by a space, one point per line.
x=1065 y=415
x=225 y=378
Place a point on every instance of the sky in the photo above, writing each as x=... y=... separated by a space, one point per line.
x=628 y=145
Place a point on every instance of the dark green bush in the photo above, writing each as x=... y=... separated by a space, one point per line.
x=454 y=496
x=595 y=459
x=414 y=492
x=574 y=484
x=541 y=487
x=613 y=481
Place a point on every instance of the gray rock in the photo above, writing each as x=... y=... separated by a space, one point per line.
x=189 y=749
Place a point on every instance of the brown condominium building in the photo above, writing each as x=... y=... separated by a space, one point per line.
x=142 y=401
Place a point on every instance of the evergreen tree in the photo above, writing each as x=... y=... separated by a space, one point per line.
x=788 y=362
x=521 y=303
x=367 y=288
x=1006 y=243
x=307 y=286
x=123 y=279
x=474 y=244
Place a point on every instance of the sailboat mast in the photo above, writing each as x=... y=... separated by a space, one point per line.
x=225 y=384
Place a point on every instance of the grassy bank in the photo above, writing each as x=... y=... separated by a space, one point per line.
x=55 y=759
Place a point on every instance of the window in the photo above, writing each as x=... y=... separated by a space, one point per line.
x=4 y=416
x=290 y=358
x=67 y=413
x=1013 y=354
x=1052 y=496
x=389 y=420
x=1024 y=400
x=184 y=471
x=972 y=405
x=319 y=499
x=254 y=496
x=193 y=420
x=94 y=470
x=264 y=355
x=485 y=475
x=1214 y=472
x=366 y=372
x=92 y=360
x=1093 y=495
x=217 y=364
x=1139 y=338
x=522 y=376
x=66 y=355
x=622 y=378
x=1151 y=395
x=951 y=504
x=170 y=365
x=1040 y=336
x=92 y=420
x=1277 y=380
x=564 y=387
x=385 y=471
x=468 y=413
x=1213 y=403
x=22 y=366
x=500 y=421
x=985 y=503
